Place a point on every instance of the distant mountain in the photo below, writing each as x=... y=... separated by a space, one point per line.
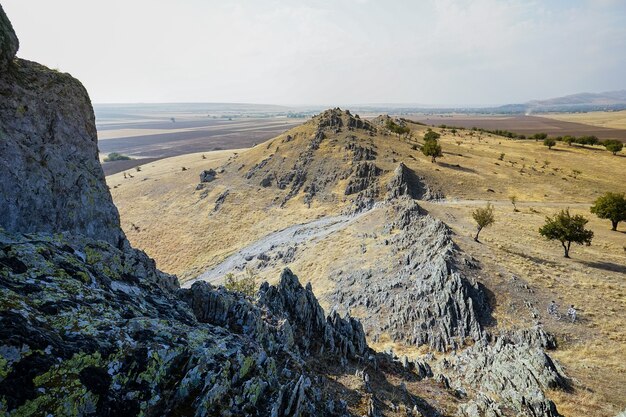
x=607 y=98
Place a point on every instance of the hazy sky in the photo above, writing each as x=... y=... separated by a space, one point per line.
x=329 y=52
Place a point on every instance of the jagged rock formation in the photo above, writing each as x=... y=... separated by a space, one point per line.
x=513 y=372
x=421 y=299
x=364 y=177
x=48 y=149
x=101 y=329
x=406 y=183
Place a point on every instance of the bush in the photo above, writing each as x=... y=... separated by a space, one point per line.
x=245 y=285
x=114 y=156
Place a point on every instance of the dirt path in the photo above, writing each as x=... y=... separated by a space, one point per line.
x=293 y=235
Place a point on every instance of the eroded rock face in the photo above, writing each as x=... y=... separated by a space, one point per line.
x=50 y=177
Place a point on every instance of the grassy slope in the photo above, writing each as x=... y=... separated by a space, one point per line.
x=184 y=234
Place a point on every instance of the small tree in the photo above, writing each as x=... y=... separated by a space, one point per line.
x=539 y=136
x=430 y=135
x=567 y=229
x=549 y=142
x=613 y=146
x=484 y=217
x=611 y=206
x=569 y=140
x=433 y=149
x=513 y=199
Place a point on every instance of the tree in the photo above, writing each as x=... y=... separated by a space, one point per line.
x=613 y=146
x=430 y=135
x=539 y=136
x=569 y=140
x=483 y=216
x=549 y=142
x=433 y=149
x=567 y=229
x=611 y=206
x=513 y=199
x=453 y=131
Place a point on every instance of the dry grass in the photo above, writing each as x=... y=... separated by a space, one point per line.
x=609 y=119
x=182 y=232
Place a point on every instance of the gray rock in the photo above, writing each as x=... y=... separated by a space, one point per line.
x=9 y=44
x=50 y=177
x=208 y=175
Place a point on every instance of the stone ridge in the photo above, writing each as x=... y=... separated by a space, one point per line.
x=51 y=179
x=9 y=43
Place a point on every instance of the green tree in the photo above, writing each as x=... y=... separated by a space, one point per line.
x=483 y=216
x=430 y=135
x=567 y=229
x=539 y=136
x=611 y=206
x=432 y=148
x=549 y=142
x=613 y=146
x=569 y=140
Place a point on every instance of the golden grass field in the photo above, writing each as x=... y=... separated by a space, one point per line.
x=163 y=214
x=610 y=119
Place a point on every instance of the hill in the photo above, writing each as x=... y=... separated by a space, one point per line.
x=384 y=234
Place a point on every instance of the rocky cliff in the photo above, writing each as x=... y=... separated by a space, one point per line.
x=50 y=176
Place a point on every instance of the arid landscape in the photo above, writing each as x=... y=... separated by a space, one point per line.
x=181 y=249
x=186 y=227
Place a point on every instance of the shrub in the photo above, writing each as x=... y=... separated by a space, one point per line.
x=114 y=156
x=245 y=285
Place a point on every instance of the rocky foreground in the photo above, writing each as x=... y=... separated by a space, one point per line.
x=90 y=326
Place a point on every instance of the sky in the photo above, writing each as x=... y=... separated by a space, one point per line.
x=328 y=52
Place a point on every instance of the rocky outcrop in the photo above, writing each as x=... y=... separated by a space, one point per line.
x=98 y=329
x=421 y=297
x=9 y=43
x=51 y=179
x=406 y=183
x=365 y=176
x=207 y=175
x=508 y=374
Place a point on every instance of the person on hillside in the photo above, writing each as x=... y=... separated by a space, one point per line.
x=571 y=313
x=552 y=308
